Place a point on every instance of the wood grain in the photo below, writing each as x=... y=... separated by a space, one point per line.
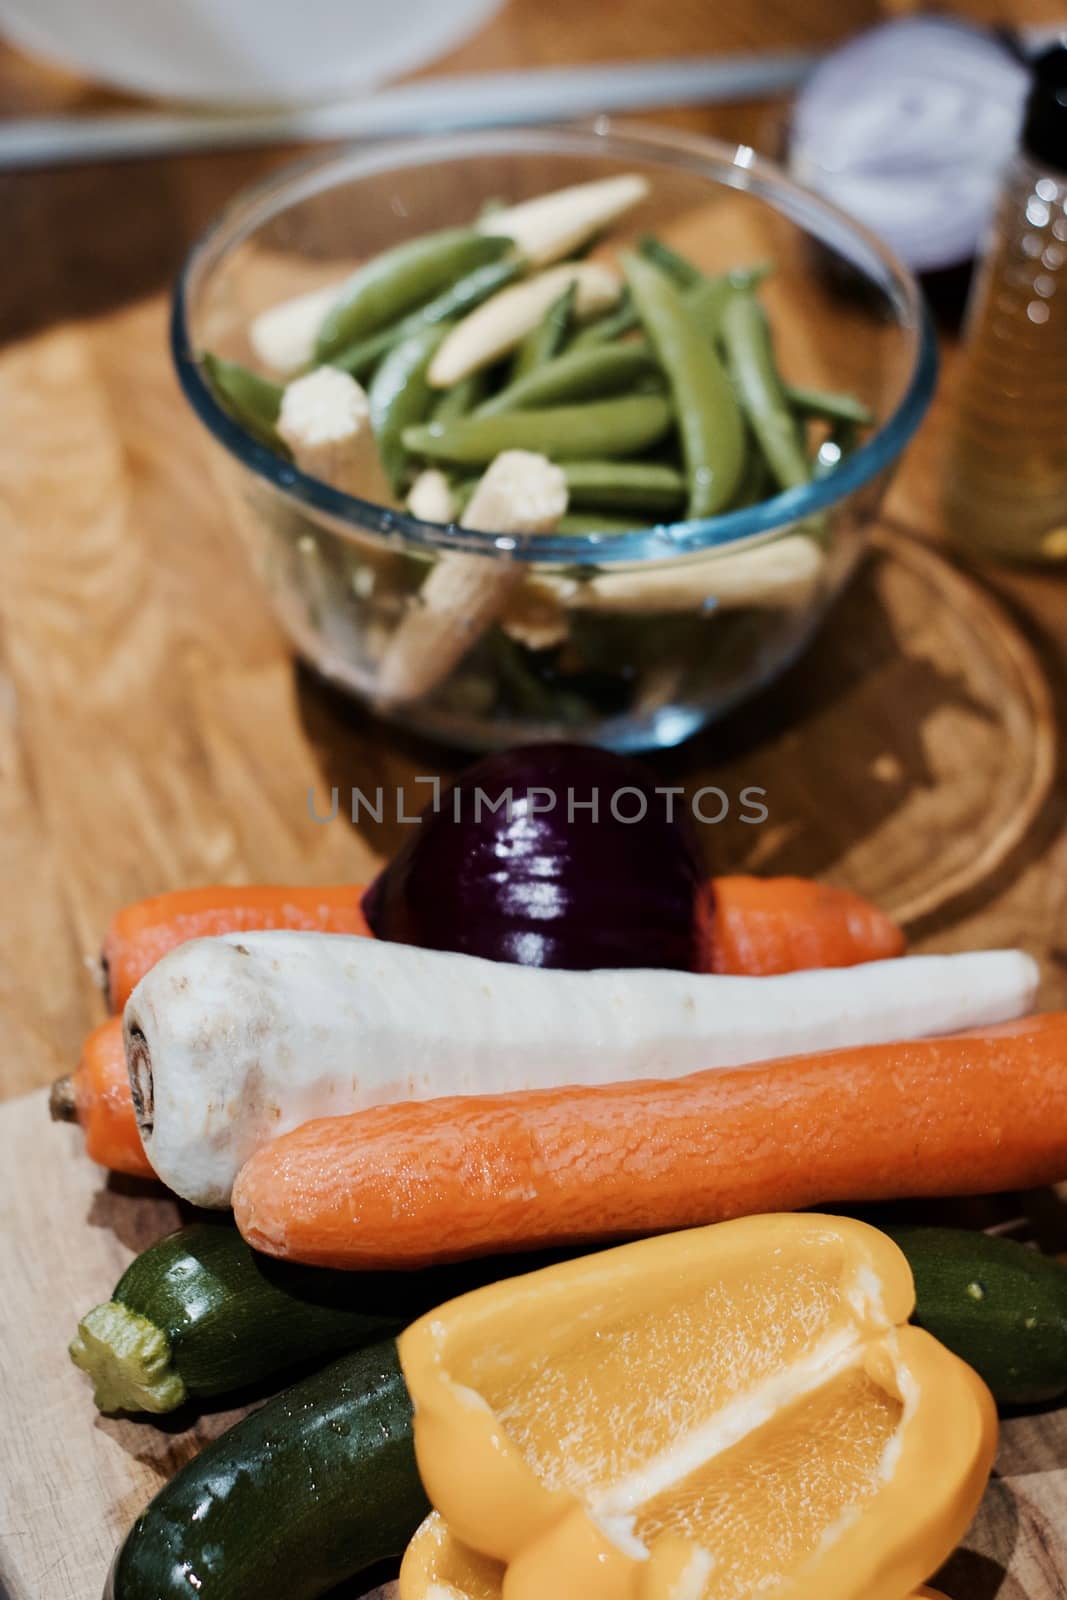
x=153 y=733
x=73 y=1481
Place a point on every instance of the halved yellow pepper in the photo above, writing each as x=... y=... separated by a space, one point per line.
x=729 y=1410
x=437 y=1567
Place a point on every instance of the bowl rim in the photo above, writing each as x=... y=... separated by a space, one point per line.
x=734 y=166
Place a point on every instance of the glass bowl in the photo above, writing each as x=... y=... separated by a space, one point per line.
x=686 y=619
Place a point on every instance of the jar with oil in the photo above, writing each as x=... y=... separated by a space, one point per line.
x=1006 y=475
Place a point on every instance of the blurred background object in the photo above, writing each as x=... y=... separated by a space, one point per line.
x=268 y=76
x=1006 y=469
x=907 y=127
x=240 y=52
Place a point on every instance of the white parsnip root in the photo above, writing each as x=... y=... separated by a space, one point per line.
x=233 y=1041
x=552 y=225
x=284 y=337
x=501 y=323
x=325 y=420
x=521 y=493
x=430 y=497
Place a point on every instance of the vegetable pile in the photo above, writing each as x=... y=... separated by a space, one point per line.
x=433 y=375
x=404 y=1088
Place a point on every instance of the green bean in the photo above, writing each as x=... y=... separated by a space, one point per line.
x=747 y=338
x=576 y=375
x=683 y=274
x=548 y=338
x=399 y=279
x=599 y=522
x=460 y=297
x=462 y=398
x=606 y=329
x=627 y=485
x=400 y=396
x=709 y=420
x=252 y=401
x=603 y=428
x=831 y=407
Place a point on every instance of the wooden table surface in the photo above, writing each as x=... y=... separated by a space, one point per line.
x=154 y=731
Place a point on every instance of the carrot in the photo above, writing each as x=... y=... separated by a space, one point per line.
x=142 y=933
x=762 y=926
x=437 y=1180
x=756 y=926
x=97 y=1095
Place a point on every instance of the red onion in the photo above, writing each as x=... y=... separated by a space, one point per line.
x=551 y=885
x=908 y=128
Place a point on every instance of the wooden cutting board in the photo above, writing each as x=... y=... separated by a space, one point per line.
x=153 y=733
x=71 y=1481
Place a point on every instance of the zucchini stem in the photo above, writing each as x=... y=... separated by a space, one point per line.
x=129 y=1360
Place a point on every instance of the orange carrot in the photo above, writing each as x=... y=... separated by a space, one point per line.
x=762 y=926
x=142 y=933
x=437 y=1180
x=756 y=926
x=97 y=1095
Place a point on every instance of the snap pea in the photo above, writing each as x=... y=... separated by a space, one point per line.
x=747 y=340
x=399 y=279
x=606 y=329
x=462 y=398
x=548 y=338
x=708 y=299
x=756 y=481
x=830 y=407
x=399 y=396
x=575 y=375
x=625 y=485
x=590 y=521
x=602 y=428
x=709 y=419
x=252 y=401
x=360 y=357
x=682 y=272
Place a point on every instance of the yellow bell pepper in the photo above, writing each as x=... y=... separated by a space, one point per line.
x=703 y=1416
x=437 y=1567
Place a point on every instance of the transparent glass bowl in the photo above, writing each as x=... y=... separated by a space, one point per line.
x=615 y=661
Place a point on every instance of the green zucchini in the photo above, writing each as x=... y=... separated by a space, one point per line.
x=200 y=1314
x=1000 y=1307
x=314 y=1487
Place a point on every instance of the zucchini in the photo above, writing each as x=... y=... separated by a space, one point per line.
x=999 y=1306
x=200 y=1314
x=314 y=1487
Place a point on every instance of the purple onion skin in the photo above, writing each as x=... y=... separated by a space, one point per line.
x=541 y=890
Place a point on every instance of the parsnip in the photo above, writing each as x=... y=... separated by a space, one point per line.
x=552 y=225
x=284 y=337
x=520 y=493
x=233 y=1041
x=499 y=325
x=325 y=421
